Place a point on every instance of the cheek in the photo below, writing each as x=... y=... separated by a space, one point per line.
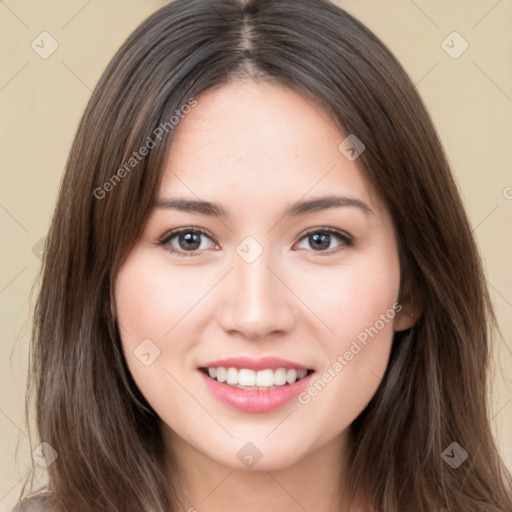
x=359 y=307
x=153 y=300
x=151 y=305
x=352 y=298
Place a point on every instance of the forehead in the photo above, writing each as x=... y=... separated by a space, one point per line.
x=257 y=141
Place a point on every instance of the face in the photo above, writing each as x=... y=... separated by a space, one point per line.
x=279 y=292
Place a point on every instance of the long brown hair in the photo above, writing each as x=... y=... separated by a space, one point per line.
x=88 y=408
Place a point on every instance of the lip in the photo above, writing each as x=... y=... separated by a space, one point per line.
x=257 y=400
x=255 y=364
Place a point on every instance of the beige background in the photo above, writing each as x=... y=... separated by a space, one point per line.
x=41 y=101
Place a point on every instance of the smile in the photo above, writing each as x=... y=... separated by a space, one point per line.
x=254 y=385
x=246 y=378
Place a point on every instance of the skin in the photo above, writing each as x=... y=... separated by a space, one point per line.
x=256 y=148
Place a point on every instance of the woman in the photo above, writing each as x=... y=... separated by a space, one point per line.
x=260 y=288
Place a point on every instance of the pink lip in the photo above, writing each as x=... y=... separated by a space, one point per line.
x=257 y=400
x=255 y=364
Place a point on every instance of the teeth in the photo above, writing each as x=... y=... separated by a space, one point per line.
x=247 y=377
x=264 y=378
x=280 y=377
x=221 y=374
x=291 y=376
x=232 y=376
x=250 y=379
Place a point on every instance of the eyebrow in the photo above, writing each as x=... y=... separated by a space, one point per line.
x=300 y=208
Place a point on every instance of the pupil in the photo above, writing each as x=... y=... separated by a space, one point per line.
x=320 y=239
x=189 y=239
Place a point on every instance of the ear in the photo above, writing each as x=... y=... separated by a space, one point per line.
x=412 y=307
x=109 y=309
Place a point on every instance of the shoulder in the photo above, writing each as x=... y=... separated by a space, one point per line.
x=42 y=502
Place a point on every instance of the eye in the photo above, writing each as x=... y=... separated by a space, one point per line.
x=187 y=241
x=320 y=239
x=184 y=241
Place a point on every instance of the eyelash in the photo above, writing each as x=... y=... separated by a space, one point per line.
x=347 y=241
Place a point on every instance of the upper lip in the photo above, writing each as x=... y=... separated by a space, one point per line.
x=255 y=364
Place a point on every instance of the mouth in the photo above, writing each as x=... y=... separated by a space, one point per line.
x=256 y=380
x=255 y=385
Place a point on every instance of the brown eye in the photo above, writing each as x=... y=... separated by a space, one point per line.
x=187 y=241
x=320 y=240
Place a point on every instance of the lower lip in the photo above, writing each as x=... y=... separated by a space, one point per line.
x=257 y=400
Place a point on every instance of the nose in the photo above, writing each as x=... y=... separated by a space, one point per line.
x=257 y=301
